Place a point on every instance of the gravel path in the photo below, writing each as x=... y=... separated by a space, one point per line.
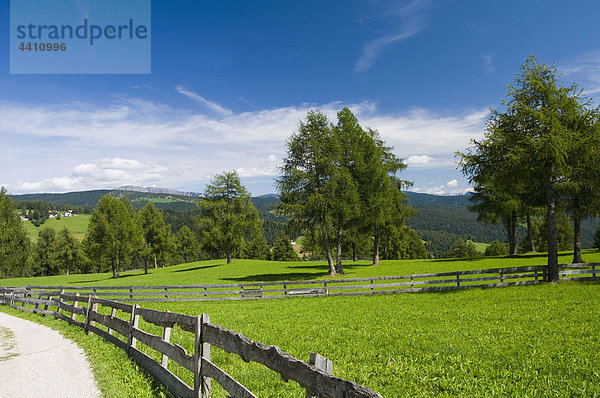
x=36 y=361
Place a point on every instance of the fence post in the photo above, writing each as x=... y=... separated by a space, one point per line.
x=201 y=351
x=321 y=363
x=371 y=286
x=535 y=273
x=131 y=292
x=60 y=300
x=113 y=313
x=325 y=287
x=166 y=293
x=133 y=323
x=94 y=309
x=75 y=305
x=457 y=280
x=412 y=279
x=501 y=277
x=87 y=314
x=166 y=338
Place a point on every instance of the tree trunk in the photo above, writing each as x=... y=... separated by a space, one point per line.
x=354 y=254
x=145 y=265
x=577 y=238
x=114 y=269
x=530 y=235
x=328 y=254
x=338 y=256
x=155 y=265
x=551 y=220
x=513 y=233
x=375 y=245
x=228 y=253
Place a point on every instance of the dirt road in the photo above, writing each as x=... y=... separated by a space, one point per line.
x=36 y=361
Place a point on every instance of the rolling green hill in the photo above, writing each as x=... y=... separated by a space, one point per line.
x=77 y=225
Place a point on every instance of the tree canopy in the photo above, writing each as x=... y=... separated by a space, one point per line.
x=226 y=216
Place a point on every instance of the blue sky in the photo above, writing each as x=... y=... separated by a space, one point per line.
x=230 y=81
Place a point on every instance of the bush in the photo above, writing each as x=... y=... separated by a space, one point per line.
x=283 y=250
x=462 y=249
x=496 y=248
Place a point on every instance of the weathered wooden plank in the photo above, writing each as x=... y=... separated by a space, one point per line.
x=579 y=265
x=108 y=337
x=72 y=308
x=580 y=279
x=173 y=383
x=236 y=390
x=173 y=351
x=322 y=363
x=283 y=363
x=583 y=271
x=162 y=318
x=113 y=304
x=36 y=301
x=116 y=324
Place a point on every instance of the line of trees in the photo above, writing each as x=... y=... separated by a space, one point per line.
x=339 y=183
x=541 y=152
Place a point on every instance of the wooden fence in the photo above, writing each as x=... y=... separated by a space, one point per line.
x=496 y=277
x=83 y=311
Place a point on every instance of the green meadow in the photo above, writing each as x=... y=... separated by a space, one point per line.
x=77 y=225
x=535 y=341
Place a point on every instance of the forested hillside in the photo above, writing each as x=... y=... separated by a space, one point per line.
x=440 y=220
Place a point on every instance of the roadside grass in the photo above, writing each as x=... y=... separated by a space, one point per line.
x=77 y=225
x=217 y=271
x=116 y=375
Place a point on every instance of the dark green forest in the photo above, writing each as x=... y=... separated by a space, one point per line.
x=439 y=220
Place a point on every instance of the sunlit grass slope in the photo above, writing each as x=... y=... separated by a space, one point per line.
x=77 y=225
x=217 y=271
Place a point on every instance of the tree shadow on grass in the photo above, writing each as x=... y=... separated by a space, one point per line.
x=280 y=277
x=104 y=279
x=198 y=267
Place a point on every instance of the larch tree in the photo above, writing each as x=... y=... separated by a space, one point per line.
x=186 y=244
x=113 y=234
x=157 y=235
x=226 y=215
x=15 y=246
x=532 y=139
x=306 y=187
x=67 y=251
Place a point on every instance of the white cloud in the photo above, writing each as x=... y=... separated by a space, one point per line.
x=452 y=183
x=488 y=63
x=442 y=190
x=56 y=147
x=209 y=104
x=105 y=173
x=408 y=17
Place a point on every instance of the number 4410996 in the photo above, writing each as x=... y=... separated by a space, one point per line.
x=42 y=46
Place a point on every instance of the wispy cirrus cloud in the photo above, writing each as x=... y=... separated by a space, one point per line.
x=409 y=18
x=583 y=69
x=213 y=106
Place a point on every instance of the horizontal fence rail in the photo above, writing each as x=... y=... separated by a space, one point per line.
x=120 y=326
x=495 y=277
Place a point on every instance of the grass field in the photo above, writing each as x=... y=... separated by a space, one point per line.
x=480 y=246
x=77 y=225
x=540 y=340
x=217 y=271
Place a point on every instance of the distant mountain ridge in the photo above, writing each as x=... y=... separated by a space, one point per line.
x=136 y=188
